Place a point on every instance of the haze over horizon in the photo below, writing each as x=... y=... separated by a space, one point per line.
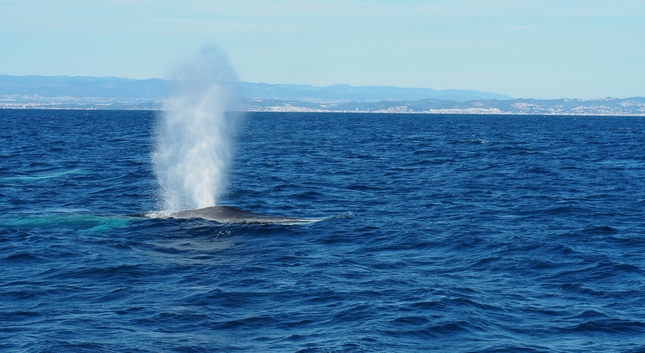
x=520 y=48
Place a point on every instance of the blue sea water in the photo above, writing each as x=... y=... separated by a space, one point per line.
x=444 y=233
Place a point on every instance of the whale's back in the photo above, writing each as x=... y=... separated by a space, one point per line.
x=227 y=214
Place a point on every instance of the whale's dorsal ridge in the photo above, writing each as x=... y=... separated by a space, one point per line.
x=228 y=214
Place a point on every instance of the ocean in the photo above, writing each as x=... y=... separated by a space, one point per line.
x=440 y=233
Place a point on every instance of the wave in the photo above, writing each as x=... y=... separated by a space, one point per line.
x=19 y=179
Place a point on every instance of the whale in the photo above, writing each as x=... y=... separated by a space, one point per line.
x=230 y=215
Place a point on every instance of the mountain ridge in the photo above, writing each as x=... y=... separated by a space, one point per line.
x=116 y=87
x=87 y=92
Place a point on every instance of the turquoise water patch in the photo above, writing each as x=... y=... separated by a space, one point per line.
x=83 y=222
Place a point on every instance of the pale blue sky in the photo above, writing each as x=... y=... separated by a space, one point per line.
x=522 y=48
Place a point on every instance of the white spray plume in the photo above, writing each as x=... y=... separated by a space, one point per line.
x=194 y=133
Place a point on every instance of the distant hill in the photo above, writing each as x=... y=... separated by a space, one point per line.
x=81 y=87
x=63 y=92
x=346 y=93
x=121 y=88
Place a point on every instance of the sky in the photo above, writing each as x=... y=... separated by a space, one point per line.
x=522 y=48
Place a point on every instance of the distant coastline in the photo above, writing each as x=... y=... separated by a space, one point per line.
x=111 y=93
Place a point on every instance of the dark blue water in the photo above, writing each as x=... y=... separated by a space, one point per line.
x=448 y=233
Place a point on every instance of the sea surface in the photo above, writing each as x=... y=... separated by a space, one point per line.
x=442 y=233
